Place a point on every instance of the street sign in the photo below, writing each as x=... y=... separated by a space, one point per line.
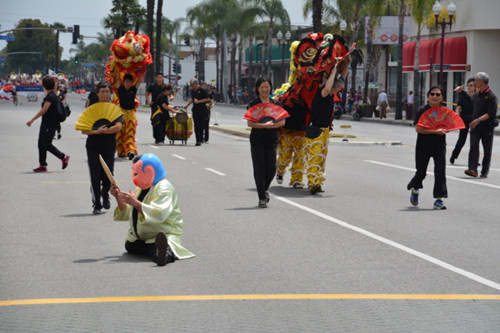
x=9 y=38
x=88 y=65
x=3 y=60
x=438 y=67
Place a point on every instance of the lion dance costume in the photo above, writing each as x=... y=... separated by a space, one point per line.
x=313 y=58
x=130 y=55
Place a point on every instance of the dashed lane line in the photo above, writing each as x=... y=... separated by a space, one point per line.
x=215 y=171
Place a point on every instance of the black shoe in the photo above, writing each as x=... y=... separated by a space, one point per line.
x=105 y=203
x=483 y=176
x=472 y=173
x=164 y=253
x=198 y=143
x=263 y=203
x=97 y=211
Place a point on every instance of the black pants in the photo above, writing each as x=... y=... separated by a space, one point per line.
x=485 y=135
x=199 y=124
x=142 y=248
x=423 y=153
x=159 y=130
x=264 y=167
x=98 y=177
x=462 y=137
x=45 y=145
x=206 y=126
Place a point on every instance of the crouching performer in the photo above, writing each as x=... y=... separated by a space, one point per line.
x=153 y=212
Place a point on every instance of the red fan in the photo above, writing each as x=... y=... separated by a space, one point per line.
x=441 y=118
x=264 y=112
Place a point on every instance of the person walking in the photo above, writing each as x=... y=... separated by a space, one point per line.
x=162 y=105
x=382 y=104
x=465 y=109
x=101 y=141
x=430 y=143
x=152 y=93
x=409 y=106
x=199 y=100
x=482 y=127
x=48 y=127
x=263 y=142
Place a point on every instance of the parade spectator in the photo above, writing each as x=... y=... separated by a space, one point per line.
x=430 y=143
x=263 y=143
x=92 y=98
x=382 y=104
x=465 y=109
x=48 y=126
x=409 y=106
x=482 y=127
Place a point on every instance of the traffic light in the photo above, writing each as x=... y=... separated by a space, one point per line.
x=29 y=32
x=197 y=67
x=76 y=60
x=179 y=69
x=187 y=41
x=174 y=67
x=76 y=34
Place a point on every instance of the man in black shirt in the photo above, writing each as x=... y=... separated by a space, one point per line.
x=199 y=99
x=465 y=110
x=125 y=139
x=482 y=127
x=154 y=91
x=162 y=114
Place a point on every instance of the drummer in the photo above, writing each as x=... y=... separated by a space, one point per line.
x=162 y=104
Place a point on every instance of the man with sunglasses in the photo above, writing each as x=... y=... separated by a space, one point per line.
x=482 y=127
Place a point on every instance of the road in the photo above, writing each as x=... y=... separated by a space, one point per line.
x=357 y=258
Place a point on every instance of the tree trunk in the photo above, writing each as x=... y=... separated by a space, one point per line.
x=399 y=80
x=149 y=28
x=416 y=75
x=269 y=48
x=317 y=13
x=202 y=61
x=240 y=54
x=158 y=62
x=368 y=64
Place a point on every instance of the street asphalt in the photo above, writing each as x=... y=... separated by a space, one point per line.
x=357 y=258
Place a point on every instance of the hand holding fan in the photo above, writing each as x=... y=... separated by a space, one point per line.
x=441 y=117
x=97 y=115
x=264 y=112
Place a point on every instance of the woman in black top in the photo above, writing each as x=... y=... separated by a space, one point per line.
x=430 y=143
x=49 y=125
x=263 y=143
x=101 y=141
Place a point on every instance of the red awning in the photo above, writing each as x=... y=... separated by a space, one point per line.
x=455 y=54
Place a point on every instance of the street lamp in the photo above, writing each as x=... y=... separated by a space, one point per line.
x=283 y=42
x=451 y=11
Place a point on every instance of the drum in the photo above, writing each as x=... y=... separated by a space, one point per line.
x=181 y=117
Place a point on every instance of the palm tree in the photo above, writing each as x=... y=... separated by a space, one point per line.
x=149 y=31
x=275 y=13
x=375 y=8
x=317 y=13
x=399 y=79
x=157 y=54
x=420 y=11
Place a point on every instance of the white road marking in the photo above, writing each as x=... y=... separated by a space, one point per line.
x=475 y=182
x=398 y=246
x=179 y=156
x=215 y=171
x=155 y=147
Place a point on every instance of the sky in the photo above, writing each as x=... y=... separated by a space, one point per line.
x=89 y=14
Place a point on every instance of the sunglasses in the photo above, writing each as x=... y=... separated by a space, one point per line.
x=435 y=94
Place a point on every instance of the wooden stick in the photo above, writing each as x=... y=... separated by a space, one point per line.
x=106 y=170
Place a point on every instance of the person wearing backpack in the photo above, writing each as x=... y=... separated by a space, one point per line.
x=48 y=127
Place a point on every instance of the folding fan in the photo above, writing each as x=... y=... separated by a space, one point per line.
x=97 y=115
x=264 y=112
x=441 y=117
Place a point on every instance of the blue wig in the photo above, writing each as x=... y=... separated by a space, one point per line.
x=155 y=162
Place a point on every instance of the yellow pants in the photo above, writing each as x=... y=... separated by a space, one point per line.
x=316 y=151
x=291 y=150
x=125 y=139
